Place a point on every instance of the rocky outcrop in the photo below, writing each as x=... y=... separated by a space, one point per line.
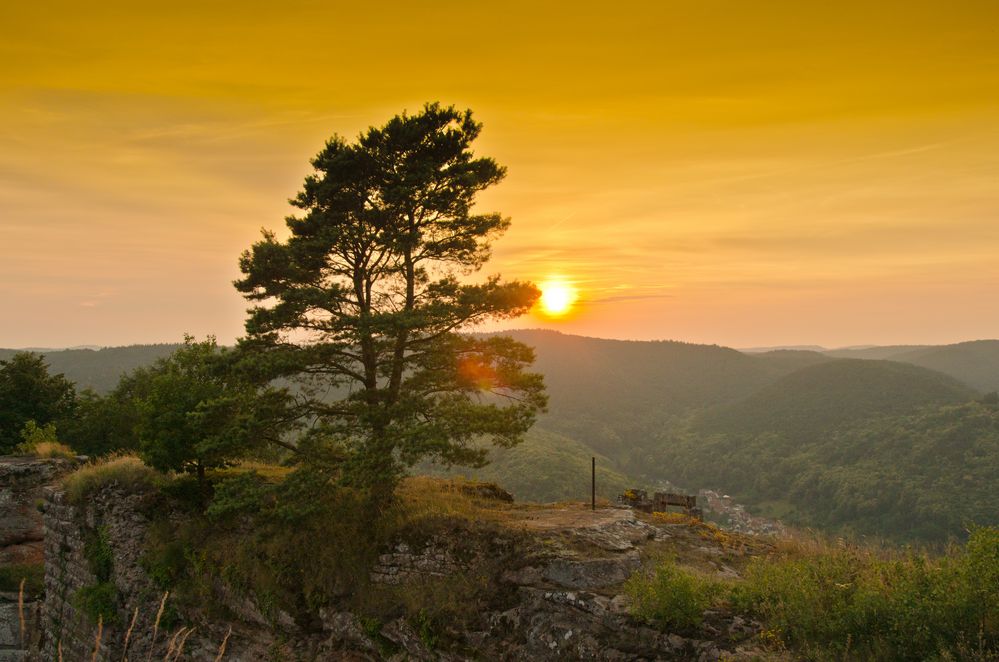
x=549 y=588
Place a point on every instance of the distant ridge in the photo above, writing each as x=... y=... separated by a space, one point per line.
x=782 y=348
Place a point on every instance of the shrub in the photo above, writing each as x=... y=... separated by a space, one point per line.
x=41 y=441
x=33 y=575
x=670 y=596
x=126 y=471
x=98 y=601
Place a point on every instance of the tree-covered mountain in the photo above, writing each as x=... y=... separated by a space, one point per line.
x=99 y=369
x=809 y=402
x=976 y=362
x=549 y=467
x=613 y=395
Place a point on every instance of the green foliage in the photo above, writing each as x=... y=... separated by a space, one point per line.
x=29 y=393
x=853 y=602
x=197 y=412
x=32 y=435
x=124 y=471
x=33 y=575
x=670 y=596
x=97 y=550
x=107 y=424
x=363 y=304
x=98 y=601
x=42 y=442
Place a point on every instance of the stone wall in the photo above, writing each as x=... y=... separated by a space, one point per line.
x=121 y=520
x=22 y=481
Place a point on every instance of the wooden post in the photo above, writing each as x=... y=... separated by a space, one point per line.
x=593 y=482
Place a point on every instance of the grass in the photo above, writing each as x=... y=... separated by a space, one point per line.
x=421 y=498
x=53 y=449
x=832 y=600
x=128 y=472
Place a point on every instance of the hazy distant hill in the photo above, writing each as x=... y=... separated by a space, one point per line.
x=99 y=369
x=821 y=397
x=614 y=395
x=975 y=363
x=880 y=352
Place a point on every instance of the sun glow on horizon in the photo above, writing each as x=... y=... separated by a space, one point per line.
x=557 y=297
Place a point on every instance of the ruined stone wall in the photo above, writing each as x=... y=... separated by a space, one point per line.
x=22 y=481
x=121 y=521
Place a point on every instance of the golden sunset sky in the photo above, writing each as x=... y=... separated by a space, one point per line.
x=743 y=173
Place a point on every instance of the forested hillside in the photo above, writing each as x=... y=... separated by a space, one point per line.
x=924 y=475
x=873 y=446
x=100 y=369
x=812 y=401
x=615 y=395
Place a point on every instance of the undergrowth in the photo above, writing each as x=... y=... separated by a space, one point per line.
x=842 y=601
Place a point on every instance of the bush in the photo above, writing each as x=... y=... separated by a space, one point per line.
x=126 y=471
x=41 y=441
x=670 y=596
x=98 y=601
x=33 y=575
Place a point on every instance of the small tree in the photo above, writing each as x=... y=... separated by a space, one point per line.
x=197 y=412
x=29 y=393
x=364 y=304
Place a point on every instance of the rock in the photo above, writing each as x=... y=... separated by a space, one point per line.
x=400 y=633
x=592 y=573
x=526 y=576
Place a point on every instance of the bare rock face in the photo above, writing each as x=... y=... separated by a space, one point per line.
x=21 y=482
x=592 y=573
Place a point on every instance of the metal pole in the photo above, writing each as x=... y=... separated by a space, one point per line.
x=593 y=482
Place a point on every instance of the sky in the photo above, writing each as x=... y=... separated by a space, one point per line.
x=741 y=173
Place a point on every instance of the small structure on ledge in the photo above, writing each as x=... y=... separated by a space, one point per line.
x=661 y=502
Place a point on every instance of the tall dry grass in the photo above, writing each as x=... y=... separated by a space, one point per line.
x=126 y=471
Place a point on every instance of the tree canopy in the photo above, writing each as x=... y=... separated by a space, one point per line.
x=29 y=393
x=195 y=411
x=365 y=303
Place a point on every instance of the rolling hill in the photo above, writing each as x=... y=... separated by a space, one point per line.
x=815 y=399
x=99 y=369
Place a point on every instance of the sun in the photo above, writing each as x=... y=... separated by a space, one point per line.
x=557 y=297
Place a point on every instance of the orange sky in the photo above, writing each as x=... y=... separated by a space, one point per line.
x=745 y=173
